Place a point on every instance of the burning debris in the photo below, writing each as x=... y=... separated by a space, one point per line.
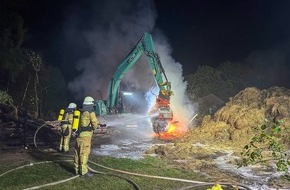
x=229 y=129
x=234 y=123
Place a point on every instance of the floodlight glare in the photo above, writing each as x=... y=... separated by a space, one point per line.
x=127 y=93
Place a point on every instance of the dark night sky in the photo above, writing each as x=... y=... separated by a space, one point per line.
x=200 y=32
x=209 y=32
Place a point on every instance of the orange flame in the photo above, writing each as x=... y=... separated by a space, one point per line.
x=172 y=133
x=172 y=128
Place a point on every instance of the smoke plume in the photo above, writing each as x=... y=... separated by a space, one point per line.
x=110 y=36
x=182 y=108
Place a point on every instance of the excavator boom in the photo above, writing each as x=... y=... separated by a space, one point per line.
x=162 y=107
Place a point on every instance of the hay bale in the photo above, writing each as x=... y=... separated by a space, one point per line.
x=248 y=109
x=242 y=136
x=206 y=119
x=278 y=105
x=250 y=118
x=240 y=116
x=211 y=131
x=233 y=125
x=248 y=96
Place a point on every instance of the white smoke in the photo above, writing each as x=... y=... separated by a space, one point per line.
x=109 y=44
x=109 y=41
x=181 y=106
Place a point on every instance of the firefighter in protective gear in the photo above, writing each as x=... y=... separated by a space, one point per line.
x=88 y=124
x=66 y=128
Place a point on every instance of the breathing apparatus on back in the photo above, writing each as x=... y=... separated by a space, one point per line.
x=76 y=120
x=71 y=107
x=87 y=103
x=60 y=115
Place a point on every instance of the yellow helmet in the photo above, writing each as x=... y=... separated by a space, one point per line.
x=88 y=101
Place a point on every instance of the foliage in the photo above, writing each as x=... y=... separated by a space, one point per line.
x=31 y=84
x=5 y=98
x=12 y=35
x=54 y=93
x=208 y=80
x=268 y=146
x=234 y=72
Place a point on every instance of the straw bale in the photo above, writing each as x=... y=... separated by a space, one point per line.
x=278 y=105
x=245 y=111
x=248 y=96
x=233 y=125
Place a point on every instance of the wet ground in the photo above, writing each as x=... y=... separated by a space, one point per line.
x=128 y=136
x=131 y=136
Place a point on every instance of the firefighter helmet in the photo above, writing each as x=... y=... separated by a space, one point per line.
x=72 y=105
x=88 y=101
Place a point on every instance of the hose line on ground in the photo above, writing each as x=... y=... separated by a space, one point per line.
x=94 y=171
x=35 y=134
x=135 y=185
x=170 y=178
x=53 y=183
x=20 y=167
x=37 y=163
x=201 y=183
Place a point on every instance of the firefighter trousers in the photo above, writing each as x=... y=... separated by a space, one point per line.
x=65 y=138
x=82 y=152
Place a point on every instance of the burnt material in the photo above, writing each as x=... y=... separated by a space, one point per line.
x=17 y=130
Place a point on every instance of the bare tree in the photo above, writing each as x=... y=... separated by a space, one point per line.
x=36 y=62
x=25 y=91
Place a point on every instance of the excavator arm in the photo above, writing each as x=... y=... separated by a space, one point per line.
x=144 y=46
x=161 y=110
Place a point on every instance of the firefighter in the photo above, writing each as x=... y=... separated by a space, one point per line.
x=88 y=124
x=66 y=128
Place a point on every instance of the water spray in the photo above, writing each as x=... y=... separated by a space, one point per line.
x=117 y=123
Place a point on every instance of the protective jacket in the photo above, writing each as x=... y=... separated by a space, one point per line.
x=88 y=123
x=66 y=130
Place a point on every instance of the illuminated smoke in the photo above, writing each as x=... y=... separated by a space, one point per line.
x=151 y=96
x=181 y=106
x=113 y=34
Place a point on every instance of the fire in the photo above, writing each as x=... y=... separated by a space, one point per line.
x=172 y=128
x=172 y=132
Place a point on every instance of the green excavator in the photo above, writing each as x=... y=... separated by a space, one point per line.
x=161 y=113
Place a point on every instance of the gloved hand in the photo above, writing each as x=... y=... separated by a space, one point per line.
x=74 y=133
x=102 y=125
x=102 y=128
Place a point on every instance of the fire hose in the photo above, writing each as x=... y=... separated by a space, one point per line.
x=158 y=177
x=37 y=163
x=196 y=183
x=94 y=171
